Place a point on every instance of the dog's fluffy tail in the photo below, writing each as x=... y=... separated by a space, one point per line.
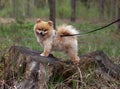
x=66 y=30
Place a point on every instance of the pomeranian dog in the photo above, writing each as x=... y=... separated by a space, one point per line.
x=51 y=39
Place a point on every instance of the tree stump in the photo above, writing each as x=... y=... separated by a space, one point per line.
x=29 y=70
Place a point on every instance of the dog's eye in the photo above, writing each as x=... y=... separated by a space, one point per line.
x=45 y=30
x=39 y=29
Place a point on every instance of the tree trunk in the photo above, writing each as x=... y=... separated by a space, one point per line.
x=73 y=11
x=35 y=71
x=52 y=11
x=119 y=15
x=101 y=7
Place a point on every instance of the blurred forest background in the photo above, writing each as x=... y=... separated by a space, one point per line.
x=63 y=9
x=17 y=18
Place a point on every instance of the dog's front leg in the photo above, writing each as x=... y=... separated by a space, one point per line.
x=47 y=50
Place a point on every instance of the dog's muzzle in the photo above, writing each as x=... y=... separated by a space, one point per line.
x=42 y=34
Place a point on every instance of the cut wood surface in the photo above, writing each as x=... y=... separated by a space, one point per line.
x=29 y=70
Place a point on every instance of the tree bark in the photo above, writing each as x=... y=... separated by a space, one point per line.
x=101 y=7
x=118 y=15
x=73 y=10
x=28 y=66
x=52 y=11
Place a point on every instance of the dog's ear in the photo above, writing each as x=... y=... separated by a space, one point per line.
x=38 y=20
x=50 y=23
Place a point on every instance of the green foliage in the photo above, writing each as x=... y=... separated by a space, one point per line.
x=6 y=12
x=18 y=34
x=63 y=11
x=105 y=40
x=41 y=12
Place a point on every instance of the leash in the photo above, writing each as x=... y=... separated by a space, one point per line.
x=93 y=30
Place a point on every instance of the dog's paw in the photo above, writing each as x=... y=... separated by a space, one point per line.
x=42 y=54
x=76 y=61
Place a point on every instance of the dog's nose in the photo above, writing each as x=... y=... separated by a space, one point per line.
x=41 y=33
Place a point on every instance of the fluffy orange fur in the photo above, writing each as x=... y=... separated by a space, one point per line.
x=51 y=39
